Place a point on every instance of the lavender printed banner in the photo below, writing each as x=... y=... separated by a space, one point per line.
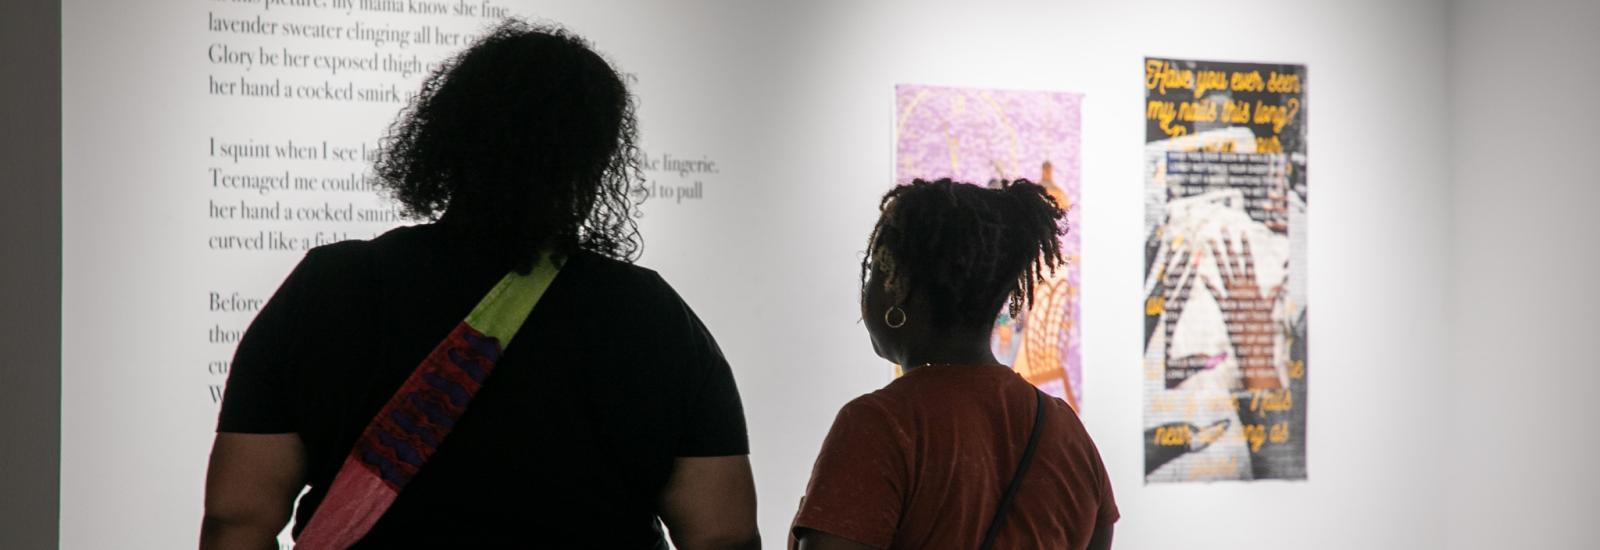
x=984 y=136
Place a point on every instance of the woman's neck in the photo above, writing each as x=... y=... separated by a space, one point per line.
x=951 y=350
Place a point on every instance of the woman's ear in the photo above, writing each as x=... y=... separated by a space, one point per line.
x=875 y=303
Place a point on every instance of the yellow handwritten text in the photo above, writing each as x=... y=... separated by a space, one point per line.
x=1198 y=111
x=1210 y=80
x=1280 y=433
x=1172 y=436
x=1222 y=403
x=1248 y=82
x=1236 y=112
x=1160 y=75
x=1271 y=401
x=1165 y=112
x=1283 y=83
x=1256 y=434
x=1208 y=146
x=1277 y=116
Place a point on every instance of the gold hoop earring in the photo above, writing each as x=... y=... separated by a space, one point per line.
x=888 y=315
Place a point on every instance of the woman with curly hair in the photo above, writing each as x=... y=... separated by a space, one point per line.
x=960 y=452
x=381 y=378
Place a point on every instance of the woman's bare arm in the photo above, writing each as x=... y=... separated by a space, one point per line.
x=250 y=490
x=710 y=504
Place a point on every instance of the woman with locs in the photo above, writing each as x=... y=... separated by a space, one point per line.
x=383 y=377
x=960 y=452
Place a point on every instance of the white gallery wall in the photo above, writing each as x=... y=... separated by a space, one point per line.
x=1377 y=119
x=1421 y=404
x=1520 y=472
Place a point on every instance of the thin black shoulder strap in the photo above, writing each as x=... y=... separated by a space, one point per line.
x=1016 y=479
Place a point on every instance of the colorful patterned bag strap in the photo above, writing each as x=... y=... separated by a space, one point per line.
x=409 y=428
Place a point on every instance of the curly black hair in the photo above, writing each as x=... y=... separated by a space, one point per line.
x=966 y=248
x=527 y=139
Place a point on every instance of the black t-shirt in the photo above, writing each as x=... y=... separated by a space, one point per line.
x=568 y=444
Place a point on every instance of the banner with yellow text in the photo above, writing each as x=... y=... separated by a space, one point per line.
x=1225 y=264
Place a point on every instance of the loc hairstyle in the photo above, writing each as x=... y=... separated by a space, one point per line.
x=966 y=248
x=528 y=140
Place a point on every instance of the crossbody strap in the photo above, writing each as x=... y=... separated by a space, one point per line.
x=1016 y=479
x=404 y=434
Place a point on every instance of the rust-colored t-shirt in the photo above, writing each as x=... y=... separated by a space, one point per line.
x=924 y=462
